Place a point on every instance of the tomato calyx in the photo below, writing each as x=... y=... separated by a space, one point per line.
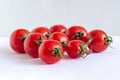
x=64 y=31
x=24 y=37
x=64 y=43
x=78 y=35
x=39 y=41
x=57 y=52
x=48 y=34
x=83 y=51
x=108 y=40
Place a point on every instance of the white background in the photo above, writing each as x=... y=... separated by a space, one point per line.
x=103 y=14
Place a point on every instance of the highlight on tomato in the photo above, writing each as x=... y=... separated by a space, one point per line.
x=50 y=51
x=101 y=40
x=17 y=38
x=58 y=28
x=78 y=48
x=77 y=33
x=61 y=37
x=32 y=43
x=41 y=29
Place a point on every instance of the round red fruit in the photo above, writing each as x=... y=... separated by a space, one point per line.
x=43 y=30
x=101 y=40
x=61 y=37
x=78 y=48
x=77 y=32
x=58 y=28
x=50 y=51
x=32 y=43
x=17 y=39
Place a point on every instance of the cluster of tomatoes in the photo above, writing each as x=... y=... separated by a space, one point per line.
x=50 y=44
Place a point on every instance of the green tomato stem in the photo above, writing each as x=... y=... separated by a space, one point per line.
x=78 y=35
x=48 y=34
x=24 y=37
x=39 y=41
x=83 y=51
x=57 y=52
x=64 y=43
x=108 y=40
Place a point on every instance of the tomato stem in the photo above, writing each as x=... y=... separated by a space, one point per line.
x=88 y=42
x=64 y=31
x=108 y=40
x=64 y=43
x=24 y=37
x=48 y=34
x=57 y=52
x=78 y=35
x=83 y=48
x=39 y=41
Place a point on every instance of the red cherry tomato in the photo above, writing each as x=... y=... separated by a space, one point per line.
x=61 y=37
x=50 y=51
x=58 y=28
x=17 y=39
x=32 y=43
x=77 y=48
x=77 y=32
x=101 y=40
x=43 y=30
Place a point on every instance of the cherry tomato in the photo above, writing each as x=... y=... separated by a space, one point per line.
x=50 y=51
x=101 y=40
x=17 y=38
x=32 y=43
x=77 y=32
x=78 y=48
x=58 y=28
x=43 y=30
x=73 y=48
x=61 y=37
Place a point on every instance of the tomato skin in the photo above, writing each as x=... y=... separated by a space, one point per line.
x=61 y=37
x=73 y=48
x=46 y=51
x=73 y=30
x=31 y=46
x=58 y=28
x=43 y=30
x=17 y=38
x=98 y=44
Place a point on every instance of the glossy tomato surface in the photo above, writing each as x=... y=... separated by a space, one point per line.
x=50 y=51
x=32 y=43
x=61 y=37
x=99 y=42
x=43 y=30
x=58 y=28
x=17 y=38
x=77 y=32
x=74 y=48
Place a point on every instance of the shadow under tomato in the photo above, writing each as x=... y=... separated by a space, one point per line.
x=66 y=57
x=16 y=58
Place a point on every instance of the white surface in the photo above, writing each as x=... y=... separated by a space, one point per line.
x=103 y=66
x=103 y=14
